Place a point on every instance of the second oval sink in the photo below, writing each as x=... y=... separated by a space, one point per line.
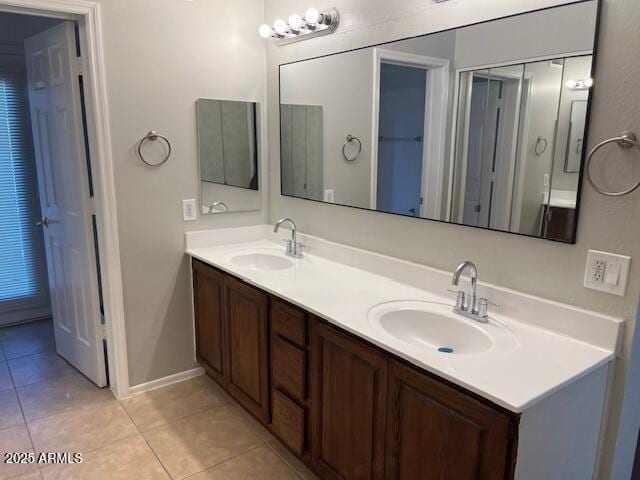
x=435 y=326
x=261 y=261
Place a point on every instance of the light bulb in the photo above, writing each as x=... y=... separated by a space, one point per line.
x=280 y=26
x=312 y=16
x=265 y=31
x=295 y=22
x=571 y=84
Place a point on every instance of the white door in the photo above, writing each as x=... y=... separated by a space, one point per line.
x=63 y=182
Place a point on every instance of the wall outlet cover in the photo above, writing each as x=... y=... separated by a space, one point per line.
x=189 y=212
x=607 y=272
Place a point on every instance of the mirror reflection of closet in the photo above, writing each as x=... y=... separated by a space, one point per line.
x=301 y=151
x=520 y=131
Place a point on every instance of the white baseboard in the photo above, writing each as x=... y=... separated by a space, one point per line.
x=166 y=381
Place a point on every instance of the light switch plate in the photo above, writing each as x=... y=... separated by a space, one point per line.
x=607 y=272
x=189 y=212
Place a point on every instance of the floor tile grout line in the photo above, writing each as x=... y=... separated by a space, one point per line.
x=281 y=457
x=213 y=407
x=153 y=452
x=108 y=444
x=216 y=465
x=24 y=419
x=176 y=420
x=93 y=450
x=7 y=359
x=31 y=420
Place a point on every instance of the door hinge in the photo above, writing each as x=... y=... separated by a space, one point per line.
x=80 y=64
x=92 y=206
x=103 y=331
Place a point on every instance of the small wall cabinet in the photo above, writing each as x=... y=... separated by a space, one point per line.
x=346 y=408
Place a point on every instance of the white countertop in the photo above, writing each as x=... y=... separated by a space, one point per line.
x=342 y=294
x=560 y=198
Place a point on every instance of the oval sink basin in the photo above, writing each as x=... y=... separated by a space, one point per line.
x=436 y=327
x=261 y=261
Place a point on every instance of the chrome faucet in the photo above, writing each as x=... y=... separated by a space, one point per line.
x=294 y=248
x=469 y=305
x=222 y=205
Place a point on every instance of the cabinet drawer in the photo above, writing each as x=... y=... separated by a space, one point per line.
x=289 y=322
x=289 y=367
x=288 y=422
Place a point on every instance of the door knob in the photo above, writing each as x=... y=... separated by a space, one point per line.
x=44 y=222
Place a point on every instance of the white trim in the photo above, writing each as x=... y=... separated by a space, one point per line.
x=519 y=175
x=434 y=143
x=166 y=381
x=88 y=14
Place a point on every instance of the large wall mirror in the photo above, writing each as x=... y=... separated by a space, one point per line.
x=228 y=156
x=482 y=125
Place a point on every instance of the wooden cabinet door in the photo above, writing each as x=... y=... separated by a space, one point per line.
x=435 y=431
x=208 y=288
x=349 y=391
x=247 y=339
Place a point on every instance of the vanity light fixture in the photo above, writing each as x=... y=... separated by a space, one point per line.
x=579 y=84
x=313 y=24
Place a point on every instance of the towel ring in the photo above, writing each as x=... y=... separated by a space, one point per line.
x=351 y=138
x=539 y=141
x=153 y=135
x=626 y=140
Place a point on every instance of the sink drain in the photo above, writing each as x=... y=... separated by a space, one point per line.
x=445 y=349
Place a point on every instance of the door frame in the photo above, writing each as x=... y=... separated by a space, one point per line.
x=434 y=142
x=88 y=14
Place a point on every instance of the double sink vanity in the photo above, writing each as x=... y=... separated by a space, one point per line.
x=359 y=364
x=367 y=366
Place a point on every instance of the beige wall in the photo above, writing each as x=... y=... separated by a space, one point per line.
x=535 y=266
x=160 y=57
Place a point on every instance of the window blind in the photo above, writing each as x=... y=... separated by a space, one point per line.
x=22 y=274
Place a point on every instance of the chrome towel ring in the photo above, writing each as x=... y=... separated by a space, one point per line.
x=626 y=140
x=351 y=138
x=153 y=135
x=541 y=141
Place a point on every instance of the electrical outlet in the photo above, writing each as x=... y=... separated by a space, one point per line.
x=189 y=210
x=607 y=272
x=598 y=270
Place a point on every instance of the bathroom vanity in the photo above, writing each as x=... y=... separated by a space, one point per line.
x=303 y=346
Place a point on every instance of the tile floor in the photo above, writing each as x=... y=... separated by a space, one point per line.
x=191 y=429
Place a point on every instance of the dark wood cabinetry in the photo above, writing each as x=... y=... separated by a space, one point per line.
x=208 y=290
x=348 y=409
x=248 y=345
x=290 y=377
x=350 y=391
x=232 y=336
x=435 y=431
x=558 y=223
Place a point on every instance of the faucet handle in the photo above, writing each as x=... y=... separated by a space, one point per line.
x=288 y=245
x=460 y=299
x=483 y=307
x=297 y=249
